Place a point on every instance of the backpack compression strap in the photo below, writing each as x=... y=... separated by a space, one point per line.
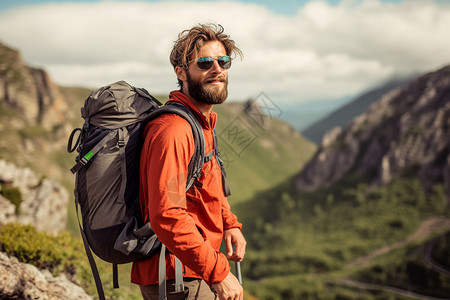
x=85 y=159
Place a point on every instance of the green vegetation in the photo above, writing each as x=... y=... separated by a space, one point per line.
x=62 y=253
x=13 y=194
x=59 y=253
x=294 y=236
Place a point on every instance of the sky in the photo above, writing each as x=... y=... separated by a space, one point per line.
x=294 y=51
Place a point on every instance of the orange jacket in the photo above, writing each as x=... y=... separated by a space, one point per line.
x=190 y=224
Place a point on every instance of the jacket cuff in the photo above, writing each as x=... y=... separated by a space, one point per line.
x=220 y=271
x=235 y=225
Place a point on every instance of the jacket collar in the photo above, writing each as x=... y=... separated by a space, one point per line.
x=178 y=96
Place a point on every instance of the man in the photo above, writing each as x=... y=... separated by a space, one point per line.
x=191 y=224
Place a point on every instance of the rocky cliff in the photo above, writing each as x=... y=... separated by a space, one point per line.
x=406 y=130
x=43 y=202
x=25 y=281
x=29 y=91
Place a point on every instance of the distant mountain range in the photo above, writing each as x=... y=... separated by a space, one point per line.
x=343 y=115
x=304 y=114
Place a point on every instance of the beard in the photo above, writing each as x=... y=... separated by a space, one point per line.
x=207 y=93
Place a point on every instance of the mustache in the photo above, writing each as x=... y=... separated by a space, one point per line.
x=221 y=79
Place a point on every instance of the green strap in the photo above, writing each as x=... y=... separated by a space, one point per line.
x=88 y=156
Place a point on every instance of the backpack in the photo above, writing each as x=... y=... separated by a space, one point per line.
x=107 y=175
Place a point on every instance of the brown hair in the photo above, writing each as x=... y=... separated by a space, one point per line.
x=191 y=40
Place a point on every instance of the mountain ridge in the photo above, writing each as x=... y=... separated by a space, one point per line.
x=343 y=115
x=406 y=128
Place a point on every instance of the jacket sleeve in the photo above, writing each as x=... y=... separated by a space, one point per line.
x=169 y=149
x=229 y=219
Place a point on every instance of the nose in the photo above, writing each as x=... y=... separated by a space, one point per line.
x=216 y=67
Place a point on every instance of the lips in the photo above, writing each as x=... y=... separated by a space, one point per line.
x=215 y=80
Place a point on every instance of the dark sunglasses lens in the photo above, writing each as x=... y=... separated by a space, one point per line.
x=224 y=62
x=205 y=63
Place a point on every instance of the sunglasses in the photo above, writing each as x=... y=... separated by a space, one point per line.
x=206 y=62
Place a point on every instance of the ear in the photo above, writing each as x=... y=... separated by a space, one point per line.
x=181 y=73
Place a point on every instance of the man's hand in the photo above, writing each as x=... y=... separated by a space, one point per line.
x=234 y=237
x=229 y=288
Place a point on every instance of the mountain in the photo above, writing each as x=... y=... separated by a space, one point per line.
x=342 y=116
x=368 y=217
x=408 y=128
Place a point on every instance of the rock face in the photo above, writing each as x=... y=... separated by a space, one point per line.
x=408 y=129
x=30 y=91
x=25 y=281
x=44 y=201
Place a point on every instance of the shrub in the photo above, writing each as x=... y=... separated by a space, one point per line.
x=13 y=194
x=60 y=253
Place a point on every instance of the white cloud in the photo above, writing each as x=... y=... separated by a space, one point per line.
x=320 y=52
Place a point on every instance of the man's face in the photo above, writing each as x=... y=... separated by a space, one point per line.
x=208 y=86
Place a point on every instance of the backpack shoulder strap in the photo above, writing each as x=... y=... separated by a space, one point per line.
x=216 y=153
x=197 y=160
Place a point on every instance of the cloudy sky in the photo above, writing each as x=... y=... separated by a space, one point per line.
x=294 y=51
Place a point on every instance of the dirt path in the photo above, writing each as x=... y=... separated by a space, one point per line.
x=428 y=227
x=433 y=225
x=432 y=263
x=375 y=287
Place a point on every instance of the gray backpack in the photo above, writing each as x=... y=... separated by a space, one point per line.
x=107 y=173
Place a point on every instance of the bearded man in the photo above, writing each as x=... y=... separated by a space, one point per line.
x=193 y=223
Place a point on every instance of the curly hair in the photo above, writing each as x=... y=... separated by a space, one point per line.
x=190 y=41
